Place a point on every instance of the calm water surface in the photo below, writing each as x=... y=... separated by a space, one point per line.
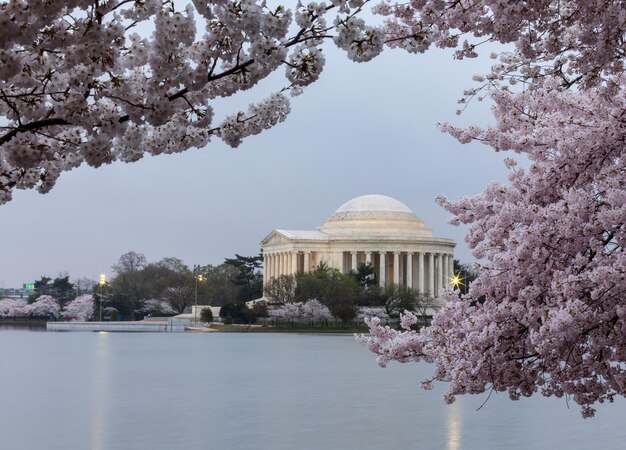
x=257 y=391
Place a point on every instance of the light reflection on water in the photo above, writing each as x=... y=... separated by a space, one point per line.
x=100 y=388
x=167 y=391
x=455 y=422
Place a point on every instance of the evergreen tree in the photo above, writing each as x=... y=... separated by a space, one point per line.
x=249 y=277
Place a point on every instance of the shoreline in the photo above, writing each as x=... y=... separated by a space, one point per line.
x=215 y=327
x=236 y=328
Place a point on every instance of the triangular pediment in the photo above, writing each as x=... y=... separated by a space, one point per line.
x=282 y=236
x=275 y=237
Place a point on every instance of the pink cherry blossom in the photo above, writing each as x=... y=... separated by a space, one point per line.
x=44 y=306
x=546 y=313
x=10 y=307
x=80 y=309
x=287 y=312
x=157 y=306
x=310 y=310
x=314 y=310
x=368 y=312
x=80 y=85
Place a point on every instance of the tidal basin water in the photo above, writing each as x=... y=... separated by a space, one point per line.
x=257 y=391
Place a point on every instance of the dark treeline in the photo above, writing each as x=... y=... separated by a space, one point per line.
x=165 y=287
x=169 y=287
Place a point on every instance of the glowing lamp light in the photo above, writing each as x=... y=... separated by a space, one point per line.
x=102 y=282
x=456 y=280
x=200 y=278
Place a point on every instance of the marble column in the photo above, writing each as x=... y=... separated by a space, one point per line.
x=368 y=257
x=396 y=268
x=409 y=270
x=272 y=265
x=283 y=263
x=420 y=273
x=451 y=265
x=431 y=274
x=440 y=273
x=266 y=268
x=354 y=263
x=446 y=275
x=307 y=262
x=382 y=269
x=294 y=263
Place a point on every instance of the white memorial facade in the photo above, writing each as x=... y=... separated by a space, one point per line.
x=373 y=229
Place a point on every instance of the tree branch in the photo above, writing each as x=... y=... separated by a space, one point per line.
x=32 y=126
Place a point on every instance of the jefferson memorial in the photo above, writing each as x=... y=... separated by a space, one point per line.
x=373 y=229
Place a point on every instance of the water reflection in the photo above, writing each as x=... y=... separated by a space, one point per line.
x=164 y=391
x=100 y=391
x=454 y=423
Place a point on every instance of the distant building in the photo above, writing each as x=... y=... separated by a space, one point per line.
x=373 y=229
x=15 y=293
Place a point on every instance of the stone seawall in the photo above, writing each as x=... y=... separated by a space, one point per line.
x=172 y=325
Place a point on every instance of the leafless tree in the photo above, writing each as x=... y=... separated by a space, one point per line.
x=179 y=297
x=424 y=307
x=281 y=290
x=130 y=262
x=84 y=285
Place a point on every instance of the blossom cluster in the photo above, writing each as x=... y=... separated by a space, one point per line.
x=79 y=84
x=158 y=306
x=367 y=312
x=546 y=313
x=44 y=306
x=81 y=309
x=310 y=310
x=567 y=38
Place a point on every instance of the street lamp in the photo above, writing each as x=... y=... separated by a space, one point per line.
x=198 y=277
x=102 y=282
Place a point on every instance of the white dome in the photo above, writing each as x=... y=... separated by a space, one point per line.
x=367 y=207
x=377 y=203
x=375 y=215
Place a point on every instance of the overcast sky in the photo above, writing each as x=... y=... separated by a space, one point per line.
x=361 y=129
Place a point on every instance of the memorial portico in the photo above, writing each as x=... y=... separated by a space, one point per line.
x=373 y=229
